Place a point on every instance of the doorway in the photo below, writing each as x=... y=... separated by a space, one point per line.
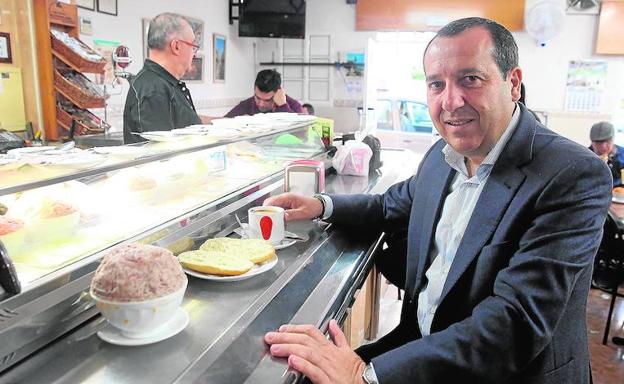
x=395 y=88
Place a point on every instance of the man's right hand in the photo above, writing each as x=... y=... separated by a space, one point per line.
x=297 y=207
x=280 y=97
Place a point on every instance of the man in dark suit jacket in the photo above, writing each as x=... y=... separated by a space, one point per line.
x=504 y=218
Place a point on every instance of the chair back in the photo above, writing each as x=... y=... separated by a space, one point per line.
x=609 y=261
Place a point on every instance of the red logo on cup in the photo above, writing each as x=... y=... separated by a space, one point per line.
x=266 y=225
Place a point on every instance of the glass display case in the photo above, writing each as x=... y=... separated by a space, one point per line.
x=69 y=205
x=63 y=207
x=71 y=208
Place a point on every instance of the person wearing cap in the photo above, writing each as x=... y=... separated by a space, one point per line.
x=269 y=96
x=601 y=136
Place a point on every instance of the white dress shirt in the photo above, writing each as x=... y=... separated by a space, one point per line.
x=456 y=212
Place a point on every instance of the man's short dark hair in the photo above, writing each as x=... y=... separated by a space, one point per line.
x=309 y=107
x=505 y=49
x=268 y=80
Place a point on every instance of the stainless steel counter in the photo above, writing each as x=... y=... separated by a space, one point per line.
x=312 y=282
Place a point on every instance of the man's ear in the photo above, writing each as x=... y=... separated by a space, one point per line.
x=515 y=75
x=175 y=46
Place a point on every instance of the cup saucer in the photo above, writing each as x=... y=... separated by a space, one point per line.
x=285 y=243
x=178 y=322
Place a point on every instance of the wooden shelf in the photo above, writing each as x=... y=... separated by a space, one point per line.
x=65 y=60
x=78 y=103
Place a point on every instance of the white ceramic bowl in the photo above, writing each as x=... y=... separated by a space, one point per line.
x=140 y=319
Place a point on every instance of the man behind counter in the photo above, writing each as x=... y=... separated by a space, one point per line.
x=269 y=96
x=157 y=100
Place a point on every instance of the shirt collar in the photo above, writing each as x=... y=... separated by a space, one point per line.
x=161 y=71
x=458 y=161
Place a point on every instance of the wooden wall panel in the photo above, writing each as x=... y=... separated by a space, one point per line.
x=430 y=15
x=611 y=28
x=44 y=61
x=15 y=20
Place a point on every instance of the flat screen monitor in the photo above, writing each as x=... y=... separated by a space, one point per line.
x=272 y=18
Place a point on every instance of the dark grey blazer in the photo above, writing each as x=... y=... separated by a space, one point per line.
x=513 y=305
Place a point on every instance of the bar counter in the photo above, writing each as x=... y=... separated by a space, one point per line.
x=314 y=281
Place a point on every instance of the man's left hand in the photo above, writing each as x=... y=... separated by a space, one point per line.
x=280 y=97
x=311 y=353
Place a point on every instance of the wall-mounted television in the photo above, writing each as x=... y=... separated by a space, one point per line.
x=272 y=18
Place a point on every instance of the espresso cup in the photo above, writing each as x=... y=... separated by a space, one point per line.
x=267 y=223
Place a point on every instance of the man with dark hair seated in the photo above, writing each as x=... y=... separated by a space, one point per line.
x=269 y=96
x=308 y=109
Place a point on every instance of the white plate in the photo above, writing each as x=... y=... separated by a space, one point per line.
x=616 y=200
x=121 y=151
x=285 y=243
x=28 y=150
x=162 y=136
x=74 y=161
x=256 y=270
x=178 y=322
x=9 y=164
x=192 y=130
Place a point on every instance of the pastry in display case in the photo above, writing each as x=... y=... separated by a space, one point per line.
x=59 y=221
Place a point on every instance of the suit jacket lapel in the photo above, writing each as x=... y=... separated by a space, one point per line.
x=500 y=188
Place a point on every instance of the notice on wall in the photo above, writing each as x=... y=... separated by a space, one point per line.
x=586 y=85
x=106 y=48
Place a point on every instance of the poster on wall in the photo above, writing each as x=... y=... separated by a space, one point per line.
x=196 y=72
x=106 y=48
x=357 y=64
x=585 y=86
x=86 y=4
x=198 y=29
x=5 y=48
x=108 y=7
x=145 y=27
x=218 y=65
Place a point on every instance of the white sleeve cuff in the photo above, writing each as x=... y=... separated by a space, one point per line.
x=329 y=206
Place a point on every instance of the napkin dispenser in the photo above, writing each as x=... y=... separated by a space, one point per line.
x=305 y=177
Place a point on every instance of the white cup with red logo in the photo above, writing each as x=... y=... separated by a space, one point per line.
x=267 y=223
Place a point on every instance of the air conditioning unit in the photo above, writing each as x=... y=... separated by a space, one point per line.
x=583 y=7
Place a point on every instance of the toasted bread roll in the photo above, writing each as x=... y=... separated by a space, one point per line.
x=256 y=250
x=215 y=263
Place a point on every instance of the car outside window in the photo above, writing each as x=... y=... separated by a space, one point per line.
x=384 y=114
x=415 y=117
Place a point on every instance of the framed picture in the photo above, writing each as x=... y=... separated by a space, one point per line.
x=5 y=48
x=107 y=6
x=145 y=26
x=218 y=54
x=86 y=4
x=196 y=72
x=198 y=30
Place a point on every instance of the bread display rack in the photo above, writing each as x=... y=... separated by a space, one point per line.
x=75 y=60
x=61 y=52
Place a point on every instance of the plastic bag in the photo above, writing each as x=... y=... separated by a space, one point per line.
x=352 y=158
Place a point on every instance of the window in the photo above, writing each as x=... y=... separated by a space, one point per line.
x=415 y=117
x=384 y=114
